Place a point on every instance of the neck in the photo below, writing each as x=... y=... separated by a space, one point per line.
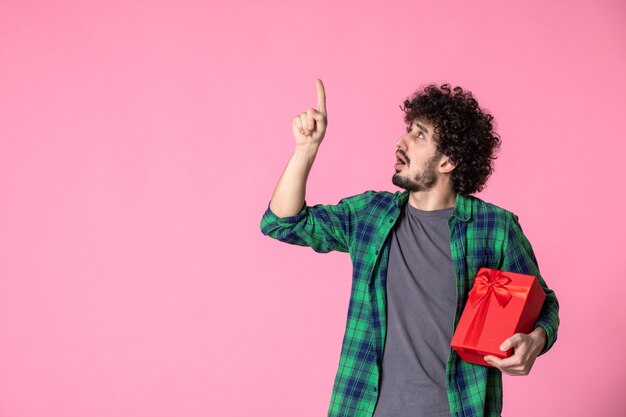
x=433 y=199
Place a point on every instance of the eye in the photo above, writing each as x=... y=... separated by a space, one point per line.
x=420 y=133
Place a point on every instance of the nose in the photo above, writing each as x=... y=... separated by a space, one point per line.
x=401 y=142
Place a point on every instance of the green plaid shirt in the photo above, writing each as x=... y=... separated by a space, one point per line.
x=481 y=234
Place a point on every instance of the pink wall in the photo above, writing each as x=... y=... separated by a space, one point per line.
x=140 y=144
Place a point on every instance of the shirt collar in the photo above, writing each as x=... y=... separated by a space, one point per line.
x=462 y=205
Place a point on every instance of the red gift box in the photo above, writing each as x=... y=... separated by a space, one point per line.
x=500 y=304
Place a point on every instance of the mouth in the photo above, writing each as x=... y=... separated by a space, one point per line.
x=399 y=161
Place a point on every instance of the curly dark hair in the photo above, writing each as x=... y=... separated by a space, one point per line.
x=463 y=132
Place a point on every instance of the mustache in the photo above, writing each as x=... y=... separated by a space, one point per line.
x=404 y=156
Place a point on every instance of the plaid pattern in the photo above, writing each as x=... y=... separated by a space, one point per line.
x=481 y=234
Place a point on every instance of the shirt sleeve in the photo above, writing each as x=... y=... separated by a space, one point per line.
x=519 y=257
x=324 y=228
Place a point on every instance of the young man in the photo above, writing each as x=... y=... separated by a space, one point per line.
x=415 y=255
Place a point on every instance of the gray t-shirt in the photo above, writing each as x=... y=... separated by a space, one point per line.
x=421 y=297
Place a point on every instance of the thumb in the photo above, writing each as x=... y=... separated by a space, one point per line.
x=318 y=116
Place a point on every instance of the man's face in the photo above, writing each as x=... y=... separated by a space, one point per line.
x=416 y=167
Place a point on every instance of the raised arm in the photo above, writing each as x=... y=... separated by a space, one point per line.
x=309 y=129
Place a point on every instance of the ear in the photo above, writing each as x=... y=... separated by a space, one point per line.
x=446 y=165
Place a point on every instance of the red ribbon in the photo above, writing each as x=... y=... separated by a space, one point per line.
x=489 y=282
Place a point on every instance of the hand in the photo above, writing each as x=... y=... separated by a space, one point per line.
x=309 y=127
x=526 y=348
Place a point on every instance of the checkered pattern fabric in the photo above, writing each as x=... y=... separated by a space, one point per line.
x=481 y=234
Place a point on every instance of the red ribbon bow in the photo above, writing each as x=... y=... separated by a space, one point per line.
x=487 y=282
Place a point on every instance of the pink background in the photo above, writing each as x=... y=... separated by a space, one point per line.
x=140 y=143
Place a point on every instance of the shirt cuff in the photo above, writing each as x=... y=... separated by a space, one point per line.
x=549 y=337
x=271 y=216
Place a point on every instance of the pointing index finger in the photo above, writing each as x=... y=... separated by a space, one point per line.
x=321 y=97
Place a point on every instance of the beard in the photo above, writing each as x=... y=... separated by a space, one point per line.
x=422 y=181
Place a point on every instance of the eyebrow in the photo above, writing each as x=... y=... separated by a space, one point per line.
x=421 y=127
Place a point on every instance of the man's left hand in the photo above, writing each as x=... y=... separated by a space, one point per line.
x=526 y=348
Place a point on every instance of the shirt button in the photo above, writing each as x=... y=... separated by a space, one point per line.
x=376 y=252
x=391 y=220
